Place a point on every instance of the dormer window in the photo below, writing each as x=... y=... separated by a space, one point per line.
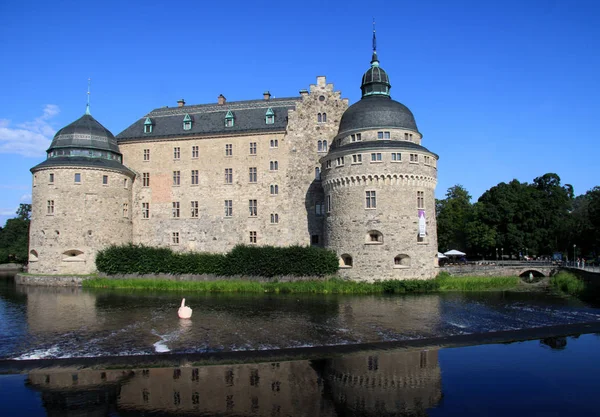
x=187 y=122
x=270 y=116
x=229 y=119
x=148 y=125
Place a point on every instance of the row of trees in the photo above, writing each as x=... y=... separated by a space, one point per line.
x=14 y=237
x=537 y=219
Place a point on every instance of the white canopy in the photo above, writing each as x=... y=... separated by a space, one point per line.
x=454 y=252
x=441 y=255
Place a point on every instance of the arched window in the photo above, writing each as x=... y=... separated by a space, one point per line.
x=319 y=118
x=33 y=256
x=402 y=261
x=374 y=237
x=274 y=189
x=346 y=261
x=324 y=146
x=324 y=117
x=320 y=146
x=73 y=255
x=317 y=173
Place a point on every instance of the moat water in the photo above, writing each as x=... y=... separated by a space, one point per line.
x=43 y=322
x=556 y=376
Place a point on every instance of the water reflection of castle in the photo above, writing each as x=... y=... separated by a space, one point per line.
x=381 y=383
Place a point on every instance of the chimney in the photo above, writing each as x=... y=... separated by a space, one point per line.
x=221 y=100
x=181 y=103
x=304 y=93
x=266 y=95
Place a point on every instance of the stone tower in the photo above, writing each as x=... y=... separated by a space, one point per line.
x=379 y=184
x=81 y=200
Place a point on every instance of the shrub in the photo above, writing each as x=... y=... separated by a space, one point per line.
x=265 y=261
x=567 y=283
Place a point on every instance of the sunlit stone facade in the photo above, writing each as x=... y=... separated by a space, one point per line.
x=305 y=170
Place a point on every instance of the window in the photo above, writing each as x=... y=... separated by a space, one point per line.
x=273 y=165
x=269 y=116
x=194 y=208
x=274 y=189
x=252 y=237
x=175 y=238
x=406 y=136
x=146 y=154
x=379 y=135
x=274 y=218
x=414 y=158
x=229 y=119
x=146 y=179
x=176 y=152
x=51 y=178
x=317 y=173
x=328 y=206
x=228 y=149
x=324 y=117
x=357 y=159
x=319 y=118
x=420 y=199
x=125 y=210
x=124 y=182
x=228 y=175
x=426 y=160
x=340 y=161
x=356 y=137
x=346 y=261
x=322 y=146
x=374 y=237
x=396 y=156
x=376 y=157
x=252 y=174
x=195 y=152
x=319 y=209
x=145 y=210
x=328 y=163
x=402 y=261
x=187 y=122
x=386 y=135
x=228 y=208
x=410 y=135
x=314 y=239
x=105 y=180
x=252 y=148
x=371 y=200
x=148 y=125
x=253 y=207
x=176 y=178
x=78 y=178
x=194 y=177
x=50 y=207
x=274 y=143
x=175 y=210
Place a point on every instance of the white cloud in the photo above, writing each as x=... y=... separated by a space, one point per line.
x=25 y=198
x=30 y=138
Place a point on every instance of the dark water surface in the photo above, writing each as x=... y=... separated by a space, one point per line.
x=553 y=377
x=42 y=322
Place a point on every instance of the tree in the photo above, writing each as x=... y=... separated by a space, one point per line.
x=453 y=213
x=14 y=237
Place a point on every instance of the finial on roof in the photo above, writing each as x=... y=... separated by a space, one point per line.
x=87 y=107
x=374 y=59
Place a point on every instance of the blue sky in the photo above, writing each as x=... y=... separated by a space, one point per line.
x=500 y=90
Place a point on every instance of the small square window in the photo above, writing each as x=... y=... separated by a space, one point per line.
x=386 y=135
x=77 y=177
x=379 y=135
x=175 y=238
x=253 y=237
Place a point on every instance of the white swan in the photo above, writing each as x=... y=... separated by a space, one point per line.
x=184 y=312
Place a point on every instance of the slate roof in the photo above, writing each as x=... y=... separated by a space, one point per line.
x=376 y=112
x=368 y=145
x=209 y=119
x=85 y=132
x=82 y=161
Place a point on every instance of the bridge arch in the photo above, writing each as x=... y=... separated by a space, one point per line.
x=535 y=272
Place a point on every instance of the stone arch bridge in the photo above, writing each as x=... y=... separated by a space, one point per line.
x=504 y=269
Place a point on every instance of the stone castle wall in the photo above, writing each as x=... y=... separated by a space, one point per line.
x=87 y=216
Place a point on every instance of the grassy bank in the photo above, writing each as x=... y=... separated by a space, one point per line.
x=567 y=283
x=328 y=286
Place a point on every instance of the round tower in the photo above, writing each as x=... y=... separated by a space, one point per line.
x=81 y=200
x=379 y=184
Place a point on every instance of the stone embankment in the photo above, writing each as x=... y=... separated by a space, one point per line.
x=11 y=267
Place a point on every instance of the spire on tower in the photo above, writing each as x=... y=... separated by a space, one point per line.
x=87 y=107
x=374 y=59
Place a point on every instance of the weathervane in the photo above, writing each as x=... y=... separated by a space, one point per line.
x=374 y=38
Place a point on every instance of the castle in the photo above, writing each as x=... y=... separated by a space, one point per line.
x=306 y=170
